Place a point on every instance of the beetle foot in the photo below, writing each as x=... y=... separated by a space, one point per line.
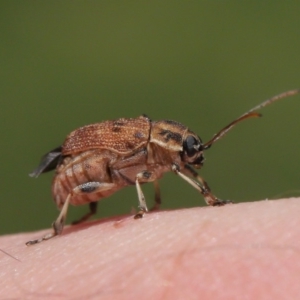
x=44 y=238
x=220 y=202
x=140 y=214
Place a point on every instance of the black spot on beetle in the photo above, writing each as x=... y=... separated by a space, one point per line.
x=118 y=123
x=88 y=188
x=130 y=145
x=138 y=135
x=116 y=129
x=146 y=174
x=169 y=135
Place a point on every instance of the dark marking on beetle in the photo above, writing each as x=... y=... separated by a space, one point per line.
x=130 y=145
x=109 y=172
x=88 y=187
x=116 y=129
x=169 y=135
x=147 y=174
x=118 y=123
x=138 y=135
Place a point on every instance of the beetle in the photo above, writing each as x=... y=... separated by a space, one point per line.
x=99 y=159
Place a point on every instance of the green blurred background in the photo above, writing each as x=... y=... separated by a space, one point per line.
x=64 y=64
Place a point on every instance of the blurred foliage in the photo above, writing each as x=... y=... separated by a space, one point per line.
x=65 y=64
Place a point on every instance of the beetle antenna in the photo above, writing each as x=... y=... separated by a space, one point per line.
x=223 y=131
x=249 y=114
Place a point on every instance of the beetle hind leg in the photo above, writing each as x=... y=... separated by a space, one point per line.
x=57 y=226
x=157 y=197
x=93 y=210
x=209 y=197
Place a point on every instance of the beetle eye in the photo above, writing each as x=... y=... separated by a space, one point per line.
x=191 y=146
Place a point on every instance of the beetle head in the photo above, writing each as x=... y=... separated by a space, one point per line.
x=192 y=150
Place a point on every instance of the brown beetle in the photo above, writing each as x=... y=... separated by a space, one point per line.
x=99 y=159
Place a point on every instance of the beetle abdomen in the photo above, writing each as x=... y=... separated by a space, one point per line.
x=89 y=166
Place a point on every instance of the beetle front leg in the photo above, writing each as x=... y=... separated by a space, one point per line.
x=93 y=210
x=216 y=201
x=203 y=188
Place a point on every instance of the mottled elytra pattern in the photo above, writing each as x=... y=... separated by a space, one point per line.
x=120 y=136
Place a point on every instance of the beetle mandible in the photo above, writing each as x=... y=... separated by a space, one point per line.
x=99 y=159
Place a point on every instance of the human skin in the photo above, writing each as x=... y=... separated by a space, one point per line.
x=240 y=251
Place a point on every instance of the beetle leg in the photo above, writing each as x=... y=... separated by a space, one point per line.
x=93 y=210
x=201 y=186
x=57 y=226
x=157 y=196
x=144 y=177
